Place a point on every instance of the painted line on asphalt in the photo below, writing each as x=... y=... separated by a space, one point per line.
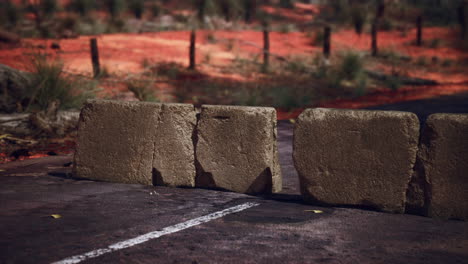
x=155 y=234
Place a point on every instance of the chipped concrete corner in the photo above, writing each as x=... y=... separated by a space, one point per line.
x=360 y=158
x=225 y=147
x=444 y=159
x=136 y=142
x=236 y=149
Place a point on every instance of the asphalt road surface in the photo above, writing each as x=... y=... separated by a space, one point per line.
x=120 y=223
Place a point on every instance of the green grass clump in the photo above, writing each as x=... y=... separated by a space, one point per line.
x=142 y=90
x=393 y=82
x=351 y=66
x=49 y=83
x=422 y=61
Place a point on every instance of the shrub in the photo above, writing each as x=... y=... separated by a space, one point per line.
x=386 y=24
x=358 y=18
x=249 y=96
x=146 y=63
x=230 y=9
x=10 y=14
x=250 y=10
x=49 y=7
x=114 y=7
x=82 y=7
x=352 y=64
x=286 y=3
x=137 y=7
x=287 y=97
x=447 y=63
x=204 y=8
x=361 y=85
x=287 y=28
x=50 y=83
x=440 y=12
x=338 y=10
x=69 y=22
x=319 y=38
x=435 y=43
x=171 y=70
x=155 y=9
x=422 y=61
x=297 y=65
x=393 y=82
x=142 y=90
x=93 y=27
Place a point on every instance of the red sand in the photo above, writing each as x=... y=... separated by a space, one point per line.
x=123 y=54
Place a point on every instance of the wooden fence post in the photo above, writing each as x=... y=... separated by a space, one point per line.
x=192 y=50
x=374 y=38
x=95 y=57
x=327 y=41
x=266 y=50
x=419 y=25
x=462 y=19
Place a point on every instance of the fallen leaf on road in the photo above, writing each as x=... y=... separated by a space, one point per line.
x=1 y=170
x=56 y=216
x=4 y=136
x=292 y=121
x=314 y=211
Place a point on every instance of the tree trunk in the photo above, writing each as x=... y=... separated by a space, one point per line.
x=380 y=9
x=266 y=50
x=201 y=6
x=462 y=19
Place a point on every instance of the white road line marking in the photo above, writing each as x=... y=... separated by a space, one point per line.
x=155 y=234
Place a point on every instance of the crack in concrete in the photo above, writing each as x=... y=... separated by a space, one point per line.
x=203 y=179
x=159 y=180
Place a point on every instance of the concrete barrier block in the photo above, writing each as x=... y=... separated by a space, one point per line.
x=360 y=158
x=136 y=142
x=444 y=156
x=174 y=154
x=236 y=149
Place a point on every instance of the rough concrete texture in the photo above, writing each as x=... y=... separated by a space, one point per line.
x=358 y=158
x=135 y=142
x=236 y=149
x=174 y=154
x=444 y=156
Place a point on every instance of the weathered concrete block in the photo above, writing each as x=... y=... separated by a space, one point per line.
x=444 y=156
x=236 y=149
x=136 y=142
x=362 y=158
x=174 y=154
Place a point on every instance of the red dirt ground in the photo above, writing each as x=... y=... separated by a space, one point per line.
x=123 y=53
